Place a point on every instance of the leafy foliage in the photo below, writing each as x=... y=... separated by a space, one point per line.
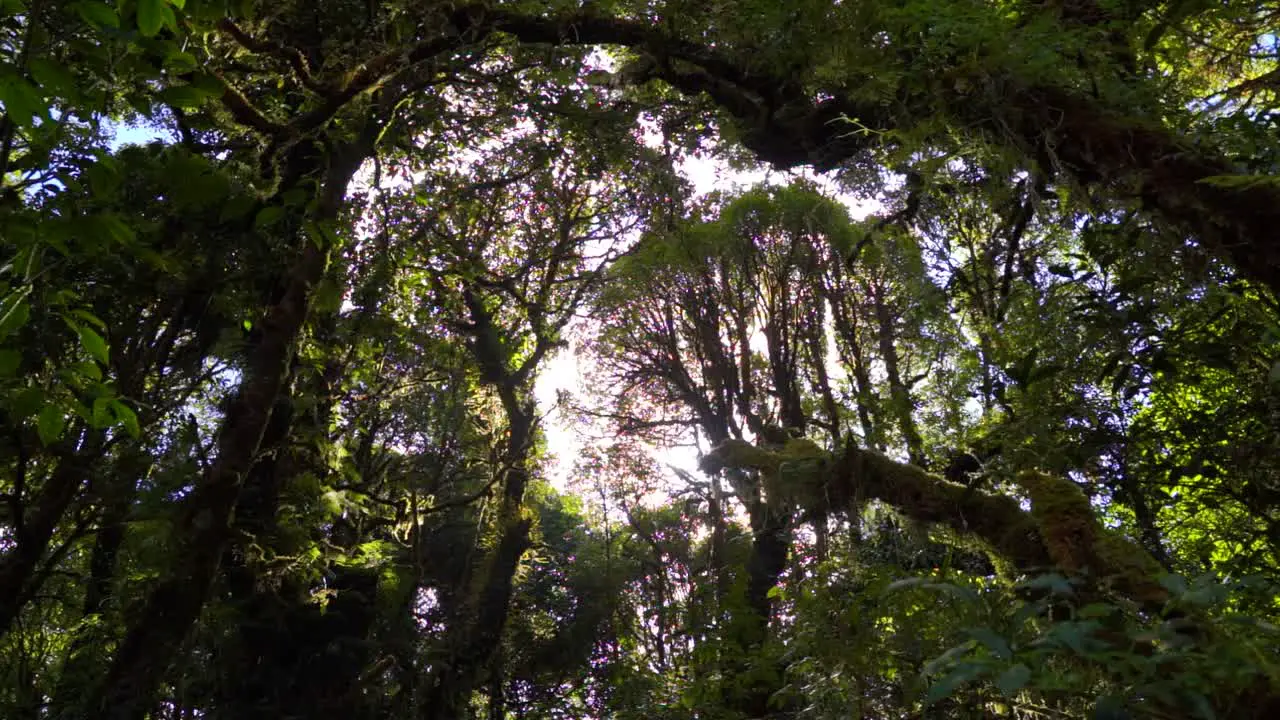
x=286 y=289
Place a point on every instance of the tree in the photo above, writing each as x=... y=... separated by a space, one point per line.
x=269 y=383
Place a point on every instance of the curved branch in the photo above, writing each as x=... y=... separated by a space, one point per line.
x=292 y=56
x=1092 y=141
x=1061 y=531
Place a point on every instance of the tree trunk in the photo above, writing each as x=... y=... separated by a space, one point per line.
x=850 y=350
x=899 y=394
x=476 y=633
x=203 y=530
x=770 y=548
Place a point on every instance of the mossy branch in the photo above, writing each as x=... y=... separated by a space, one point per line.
x=1061 y=531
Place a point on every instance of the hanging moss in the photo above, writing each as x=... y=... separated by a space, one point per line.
x=972 y=543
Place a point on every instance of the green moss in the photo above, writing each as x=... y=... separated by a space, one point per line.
x=1076 y=542
x=741 y=455
x=793 y=475
x=1130 y=569
x=1065 y=519
x=802 y=449
x=798 y=473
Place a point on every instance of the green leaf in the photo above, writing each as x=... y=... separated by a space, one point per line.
x=1096 y=610
x=98 y=14
x=184 y=96
x=53 y=77
x=949 y=658
x=206 y=82
x=14 y=312
x=115 y=229
x=1240 y=182
x=92 y=342
x=26 y=403
x=322 y=235
x=22 y=101
x=268 y=216
x=1076 y=636
x=992 y=641
x=90 y=318
x=103 y=177
x=295 y=197
x=150 y=16
x=9 y=8
x=180 y=62
x=170 y=19
x=127 y=417
x=90 y=371
x=9 y=361
x=50 y=423
x=102 y=417
x=1201 y=707
x=1175 y=584
x=236 y=207
x=1110 y=707
x=952 y=681
x=331 y=500
x=328 y=296
x=1053 y=582
x=1013 y=679
x=905 y=583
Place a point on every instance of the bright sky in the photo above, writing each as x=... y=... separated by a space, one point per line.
x=563 y=371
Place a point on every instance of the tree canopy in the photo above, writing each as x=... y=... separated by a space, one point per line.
x=275 y=435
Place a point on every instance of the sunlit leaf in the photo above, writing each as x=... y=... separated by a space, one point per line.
x=92 y=342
